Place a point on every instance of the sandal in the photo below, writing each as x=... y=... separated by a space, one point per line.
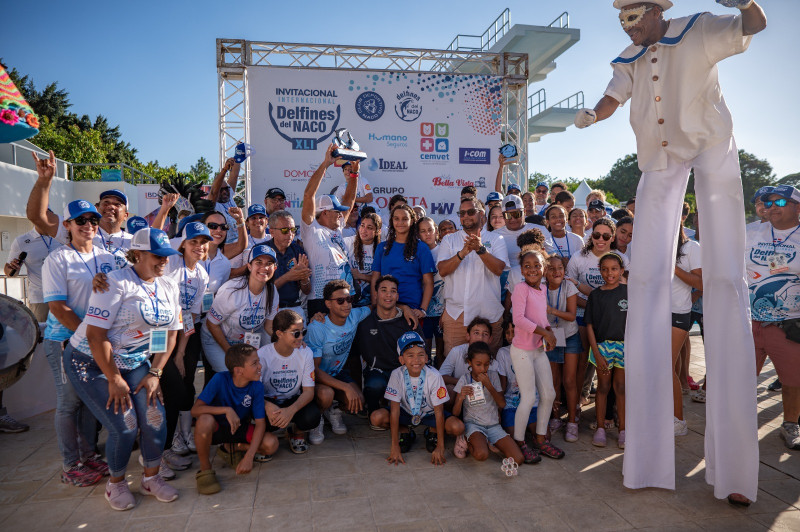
x=549 y=450
x=298 y=445
x=461 y=447
x=262 y=458
x=698 y=396
x=431 y=440
x=406 y=440
x=207 y=482
x=531 y=456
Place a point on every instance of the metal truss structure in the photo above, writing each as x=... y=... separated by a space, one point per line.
x=235 y=56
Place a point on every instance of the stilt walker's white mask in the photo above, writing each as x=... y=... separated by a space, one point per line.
x=631 y=17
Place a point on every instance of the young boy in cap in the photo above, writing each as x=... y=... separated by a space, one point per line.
x=416 y=394
x=681 y=123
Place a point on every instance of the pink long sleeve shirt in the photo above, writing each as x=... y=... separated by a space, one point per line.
x=529 y=307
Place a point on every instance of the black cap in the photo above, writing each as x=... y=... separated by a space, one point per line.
x=275 y=192
x=596 y=204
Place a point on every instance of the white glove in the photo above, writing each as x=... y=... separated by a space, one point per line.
x=585 y=118
x=740 y=4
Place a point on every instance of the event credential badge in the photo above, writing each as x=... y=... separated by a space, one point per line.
x=158 y=340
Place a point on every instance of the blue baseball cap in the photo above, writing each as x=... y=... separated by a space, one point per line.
x=135 y=223
x=78 y=207
x=763 y=191
x=153 y=241
x=116 y=194
x=259 y=251
x=256 y=208
x=785 y=191
x=329 y=202
x=407 y=340
x=195 y=229
x=187 y=220
x=513 y=186
x=542 y=184
x=494 y=196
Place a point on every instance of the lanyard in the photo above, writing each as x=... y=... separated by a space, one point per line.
x=258 y=306
x=186 y=288
x=96 y=269
x=566 y=237
x=110 y=243
x=155 y=293
x=416 y=407
x=558 y=300
x=48 y=244
x=774 y=248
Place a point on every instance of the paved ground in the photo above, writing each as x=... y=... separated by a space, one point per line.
x=345 y=484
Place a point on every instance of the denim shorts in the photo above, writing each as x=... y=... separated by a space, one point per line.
x=573 y=346
x=508 y=415
x=493 y=433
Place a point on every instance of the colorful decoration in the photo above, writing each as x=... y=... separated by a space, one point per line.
x=17 y=119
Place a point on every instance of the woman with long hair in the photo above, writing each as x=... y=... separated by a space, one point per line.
x=496 y=220
x=361 y=252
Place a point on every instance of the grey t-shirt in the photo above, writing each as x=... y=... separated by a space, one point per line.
x=485 y=414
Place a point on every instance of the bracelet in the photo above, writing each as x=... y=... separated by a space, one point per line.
x=353 y=175
x=459 y=256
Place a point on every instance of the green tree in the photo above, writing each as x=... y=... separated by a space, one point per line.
x=202 y=171
x=623 y=178
x=791 y=180
x=74 y=145
x=756 y=173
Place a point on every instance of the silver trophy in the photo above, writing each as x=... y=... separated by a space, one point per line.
x=347 y=149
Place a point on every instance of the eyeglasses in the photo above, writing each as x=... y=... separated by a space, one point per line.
x=285 y=230
x=212 y=225
x=469 y=212
x=342 y=300
x=512 y=215
x=598 y=235
x=83 y=220
x=782 y=202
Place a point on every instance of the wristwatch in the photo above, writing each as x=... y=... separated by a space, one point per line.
x=481 y=250
x=155 y=372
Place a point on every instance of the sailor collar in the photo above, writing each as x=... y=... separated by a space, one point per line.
x=678 y=28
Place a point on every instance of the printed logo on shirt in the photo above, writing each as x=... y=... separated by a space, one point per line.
x=284 y=384
x=441 y=392
x=149 y=315
x=215 y=314
x=252 y=317
x=106 y=267
x=763 y=252
x=97 y=312
x=373 y=332
x=313 y=378
x=391 y=391
x=247 y=400
x=776 y=298
x=623 y=305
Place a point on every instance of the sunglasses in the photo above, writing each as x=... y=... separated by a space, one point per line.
x=541 y=191
x=597 y=236
x=469 y=212
x=83 y=220
x=296 y=334
x=512 y=215
x=285 y=230
x=212 y=225
x=342 y=300
x=782 y=202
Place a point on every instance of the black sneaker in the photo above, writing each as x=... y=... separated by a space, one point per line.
x=431 y=440
x=775 y=386
x=406 y=440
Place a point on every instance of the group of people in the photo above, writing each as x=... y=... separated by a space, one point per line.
x=481 y=328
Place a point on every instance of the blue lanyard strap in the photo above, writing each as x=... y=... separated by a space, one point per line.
x=416 y=407
x=558 y=248
x=96 y=268
x=186 y=288
x=558 y=299
x=774 y=247
x=110 y=243
x=250 y=303
x=47 y=243
x=155 y=292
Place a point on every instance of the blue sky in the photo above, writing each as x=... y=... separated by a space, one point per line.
x=150 y=66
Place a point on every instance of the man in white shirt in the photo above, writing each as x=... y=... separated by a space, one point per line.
x=470 y=263
x=514 y=214
x=540 y=198
x=681 y=123
x=36 y=246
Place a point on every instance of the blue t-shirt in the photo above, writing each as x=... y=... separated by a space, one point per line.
x=247 y=402
x=408 y=272
x=332 y=343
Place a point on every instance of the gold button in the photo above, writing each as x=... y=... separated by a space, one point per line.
x=660 y=120
x=658 y=98
x=664 y=143
x=655 y=78
x=653 y=48
x=654 y=60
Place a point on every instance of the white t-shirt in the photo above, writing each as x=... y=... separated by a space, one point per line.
x=129 y=310
x=456 y=366
x=283 y=377
x=586 y=270
x=117 y=244
x=327 y=256
x=558 y=299
x=222 y=208
x=191 y=283
x=773 y=296
x=682 y=292
x=349 y=232
x=566 y=247
x=511 y=240
x=219 y=271
x=369 y=255
x=67 y=276
x=505 y=369
x=37 y=247
x=434 y=391
x=486 y=413
x=241 y=259
x=237 y=311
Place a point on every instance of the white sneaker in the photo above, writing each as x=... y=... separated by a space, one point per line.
x=317 y=435
x=176 y=461
x=189 y=439
x=680 y=427
x=790 y=432
x=334 y=417
x=178 y=445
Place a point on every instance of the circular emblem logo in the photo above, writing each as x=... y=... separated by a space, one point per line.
x=408 y=107
x=84 y=205
x=198 y=226
x=162 y=239
x=370 y=106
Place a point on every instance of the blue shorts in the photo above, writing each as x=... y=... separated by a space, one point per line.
x=431 y=328
x=574 y=346
x=427 y=420
x=344 y=376
x=493 y=433
x=507 y=417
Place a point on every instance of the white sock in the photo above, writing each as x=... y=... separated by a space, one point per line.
x=185 y=422
x=148 y=479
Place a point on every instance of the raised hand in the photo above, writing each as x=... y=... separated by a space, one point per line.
x=46 y=168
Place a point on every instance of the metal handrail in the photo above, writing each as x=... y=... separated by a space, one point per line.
x=488 y=38
x=22 y=280
x=540 y=102
x=562 y=20
x=566 y=102
x=39 y=152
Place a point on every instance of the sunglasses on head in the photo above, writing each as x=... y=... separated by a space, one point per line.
x=285 y=230
x=598 y=235
x=512 y=215
x=342 y=300
x=469 y=212
x=781 y=202
x=212 y=225
x=83 y=220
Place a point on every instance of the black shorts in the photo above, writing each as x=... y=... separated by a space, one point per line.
x=344 y=376
x=222 y=434
x=682 y=321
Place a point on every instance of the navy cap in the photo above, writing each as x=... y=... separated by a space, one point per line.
x=116 y=194
x=195 y=229
x=256 y=208
x=761 y=192
x=259 y=251
x=187 y=220
x=407 y=340
x=275 y=192
x=153 y=241
x=78 y=207
x=542 y=184
x=513 y=186
x=135 y=223
x=785 y=191
x=596 y=204
x=494 y=196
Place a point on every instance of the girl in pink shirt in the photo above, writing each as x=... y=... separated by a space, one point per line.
x=528 y=358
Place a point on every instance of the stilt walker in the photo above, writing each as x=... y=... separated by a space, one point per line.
x=681 y=123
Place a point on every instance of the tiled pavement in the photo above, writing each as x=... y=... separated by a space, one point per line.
x=346 y=484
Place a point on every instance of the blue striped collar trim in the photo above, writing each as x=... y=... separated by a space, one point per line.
x=668 y=41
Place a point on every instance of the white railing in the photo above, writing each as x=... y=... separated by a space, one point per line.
x=537 y=102
x=487 y=39
x=571 y=102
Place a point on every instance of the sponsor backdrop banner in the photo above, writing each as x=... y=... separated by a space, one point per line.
x=426 y=135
